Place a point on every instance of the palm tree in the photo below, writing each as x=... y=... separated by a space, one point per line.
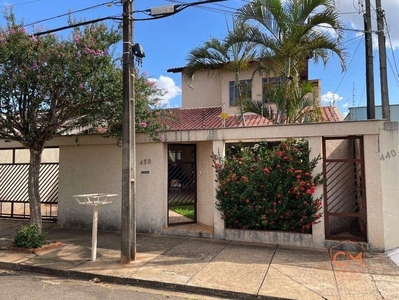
x=216 y=56
x=302 y=106
x=290 y=32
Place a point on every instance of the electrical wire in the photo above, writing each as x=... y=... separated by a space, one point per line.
x=395 y=68
x=222 y=11
x=21 y=3
x=71 y=12
x=350 y=62
x=75 y=25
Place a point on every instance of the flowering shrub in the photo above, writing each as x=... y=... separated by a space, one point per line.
x=268 y=187
x=148 y=109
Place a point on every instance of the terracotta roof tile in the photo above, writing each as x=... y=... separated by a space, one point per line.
x=329 y=114
x=209 y=118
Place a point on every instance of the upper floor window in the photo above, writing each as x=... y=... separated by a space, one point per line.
x=275 y=81
x=246 y=91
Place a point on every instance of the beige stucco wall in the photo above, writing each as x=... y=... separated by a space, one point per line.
x=151 y=189
x=318 y=232
x=388 y=156
x=375 y=234
x=213 y=90
x=87 y=169
x=93 y=165
x=205 y=191
x=218 y=222
x=202 y=91
x=313 y=132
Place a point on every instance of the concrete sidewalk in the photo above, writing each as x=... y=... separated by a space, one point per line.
x=220 y=268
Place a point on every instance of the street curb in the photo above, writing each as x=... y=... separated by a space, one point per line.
x=137 y=282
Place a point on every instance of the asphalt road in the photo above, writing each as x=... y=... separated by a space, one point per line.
x=17 y=285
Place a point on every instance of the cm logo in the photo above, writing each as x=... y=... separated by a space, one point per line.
x=355 y=256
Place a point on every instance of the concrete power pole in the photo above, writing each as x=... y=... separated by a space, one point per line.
x=128 y=225
x=369 y=63
x=386 y=114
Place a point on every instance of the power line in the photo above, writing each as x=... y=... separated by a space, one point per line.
x=71 y=12
x=343 y=76
x=393 y=53
x=75 y=25
x=217 y=10
x=21 y=3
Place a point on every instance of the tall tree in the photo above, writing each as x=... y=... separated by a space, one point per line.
x=302 y=104
x=230 y=55
x=50 y=85
x=292 y=31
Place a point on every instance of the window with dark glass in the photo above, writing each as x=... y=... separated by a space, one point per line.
x=277 y=81
x=246 y=91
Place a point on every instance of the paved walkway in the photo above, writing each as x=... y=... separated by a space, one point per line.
x=212 y=267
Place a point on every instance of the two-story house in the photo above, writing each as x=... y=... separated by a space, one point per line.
x=214 y=93
x=179 y=170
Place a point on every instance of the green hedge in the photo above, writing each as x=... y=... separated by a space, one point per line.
x=268 y=186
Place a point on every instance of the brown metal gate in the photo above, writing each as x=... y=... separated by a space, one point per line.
x=344 y=188
x=182 y=184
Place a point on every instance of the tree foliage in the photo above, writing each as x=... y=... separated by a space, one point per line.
x=281 y=36
x=230 y=55
x=148 y=110
x=50 y=86
x=290 y=32
x=301 y=107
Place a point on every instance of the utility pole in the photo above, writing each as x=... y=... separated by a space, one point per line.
x=128 y=224
x=386 y=114
x=369 y=63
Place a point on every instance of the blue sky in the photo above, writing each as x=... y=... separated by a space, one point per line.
x=167 y=42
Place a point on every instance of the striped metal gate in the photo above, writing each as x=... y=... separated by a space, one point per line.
x=14 y=174
x=344 y=188
x=182 y=184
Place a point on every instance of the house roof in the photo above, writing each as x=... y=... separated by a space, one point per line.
x=209 y=118
x=330 y=114
x=175 y=70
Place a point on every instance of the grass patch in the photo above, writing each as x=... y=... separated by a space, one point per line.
x=186 y=210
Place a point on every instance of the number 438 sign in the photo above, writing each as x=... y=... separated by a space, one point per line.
x=387 y=155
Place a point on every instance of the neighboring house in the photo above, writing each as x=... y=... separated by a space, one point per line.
x=360 y=113
x=360 y=194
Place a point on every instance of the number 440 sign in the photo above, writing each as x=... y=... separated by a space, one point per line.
x=388 y=155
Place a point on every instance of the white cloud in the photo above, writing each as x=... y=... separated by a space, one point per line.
x=331 y=98
x=168 y=86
